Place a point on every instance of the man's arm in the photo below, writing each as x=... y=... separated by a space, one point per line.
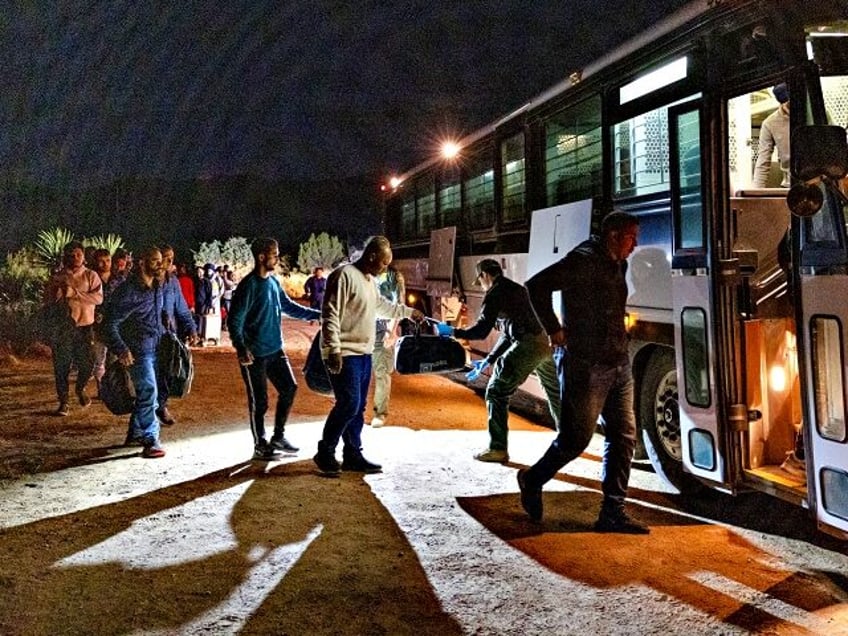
x=489 y=312
x=296 y=310
x=237 y=315
x=765 y=148
x=540 y=289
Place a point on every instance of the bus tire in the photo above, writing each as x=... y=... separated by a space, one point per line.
x=659 y=415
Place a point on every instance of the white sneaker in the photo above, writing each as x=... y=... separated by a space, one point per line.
x=377 y=422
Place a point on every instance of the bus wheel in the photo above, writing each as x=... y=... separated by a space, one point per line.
x=659 y=415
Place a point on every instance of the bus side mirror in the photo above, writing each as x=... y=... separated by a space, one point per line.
x=819 y=153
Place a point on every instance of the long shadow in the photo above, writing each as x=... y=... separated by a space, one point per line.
x=243 y=549
x=698 y=562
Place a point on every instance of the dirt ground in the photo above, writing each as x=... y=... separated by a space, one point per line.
x=96 y=540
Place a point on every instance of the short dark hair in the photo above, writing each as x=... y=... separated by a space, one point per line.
x=102 y=252
x=261 y=246
x=489 y=266
x=616 y=221
x=73 y=245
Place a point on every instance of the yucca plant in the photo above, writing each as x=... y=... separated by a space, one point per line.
x=49 y=245
x=22 y=276
x=110 y=242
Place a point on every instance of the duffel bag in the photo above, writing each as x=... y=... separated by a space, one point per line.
x=116 y=388
x=423 y=353
x=315 y=371
x=175 y=364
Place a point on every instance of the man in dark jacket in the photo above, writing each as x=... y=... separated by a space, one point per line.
x=132 y=327
x=521 y=349
x=595 y=364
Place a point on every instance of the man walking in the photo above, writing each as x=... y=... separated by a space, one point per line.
x=351 y=307
x=521 y=349
x=257 y=308
x=596 y=368
x=71 y=295
x=132 y=328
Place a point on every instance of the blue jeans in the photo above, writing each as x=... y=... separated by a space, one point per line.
x=143 y=423
x=590 y=390
x=276 y=369
x=347 y=418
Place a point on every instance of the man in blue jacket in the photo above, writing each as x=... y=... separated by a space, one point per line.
x=257 y=308
x=132 y=327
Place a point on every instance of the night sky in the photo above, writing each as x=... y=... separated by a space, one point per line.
x=94 y=91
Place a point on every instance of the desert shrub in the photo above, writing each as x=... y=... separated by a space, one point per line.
x=19 y=325
x=320 y=250
x=22 y=276
x=49 y=245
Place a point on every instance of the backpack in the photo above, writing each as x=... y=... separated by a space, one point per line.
x=116 y=388
x=175 y=364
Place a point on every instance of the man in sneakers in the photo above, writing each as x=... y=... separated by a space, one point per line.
x=351 y=307
x=521 y=349
x=595 y=366
x=71 y=295
x=254 y=323
x=132 y=327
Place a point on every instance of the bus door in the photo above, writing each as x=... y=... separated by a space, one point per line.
x=691 y=287
x=440 y=274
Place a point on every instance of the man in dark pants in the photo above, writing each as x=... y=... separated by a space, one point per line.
x=521 y=349
x=258 y=305
x=596 y=369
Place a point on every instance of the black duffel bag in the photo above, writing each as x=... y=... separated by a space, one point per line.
x=176 y=364
x=315 y=371
x=116 y=388
x=424 y=353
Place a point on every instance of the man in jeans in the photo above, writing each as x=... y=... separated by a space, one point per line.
x=257 y=309
x=351 y=307
x=595 y=364
x=521 y=349
x=132 y=328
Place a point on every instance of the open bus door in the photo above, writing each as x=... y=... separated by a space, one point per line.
x=440 y=274
x=691 y=285
x=820 y=264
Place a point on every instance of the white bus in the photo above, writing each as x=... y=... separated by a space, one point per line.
x=739 y=354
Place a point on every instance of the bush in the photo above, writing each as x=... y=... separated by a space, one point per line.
x=19 y=325
x=22 y=277
x=322 y=250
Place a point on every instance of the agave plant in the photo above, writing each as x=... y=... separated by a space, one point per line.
x=49 y=245
x=110 y=242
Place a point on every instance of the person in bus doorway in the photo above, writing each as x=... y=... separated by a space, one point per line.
x=392 y=287
x=593 y=359
x=258 y=305
x=350 y=311
x=774 y=133
x=521 y=349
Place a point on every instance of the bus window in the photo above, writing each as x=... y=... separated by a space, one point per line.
x=826 y=334
x=573 y=153
x=407 y=216
x=450 y=200
x=694 y=329
x=512 y=173
x=479 y=193
x=688 y=139
x=640 y=151
x=746 y=114
x=425 y=204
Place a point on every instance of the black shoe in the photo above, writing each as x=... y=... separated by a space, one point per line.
x=619 y=521
x=83 y=398
x=360 y=465
x=531 y=498
x=266 y=453
x=63 y=409
x=327 y=463
x=132 y=440
x=284 y=445
x=165 y=416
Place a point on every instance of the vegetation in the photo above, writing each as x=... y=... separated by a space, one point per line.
x=321 y=250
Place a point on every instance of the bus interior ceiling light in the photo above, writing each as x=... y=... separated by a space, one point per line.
x=656 y=79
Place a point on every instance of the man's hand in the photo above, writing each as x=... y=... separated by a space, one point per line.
x=334 y=363
x=444 y=329
x=246 y=359
x=126 y=358
x=477 y=369
x=558 y=338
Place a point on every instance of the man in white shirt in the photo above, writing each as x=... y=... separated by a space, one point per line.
x=348 y=316
x=774 y=133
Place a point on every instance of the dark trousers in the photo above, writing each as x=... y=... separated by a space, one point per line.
x=590 y=390
x=72 y=347
x=276 y=369
x=347 y=417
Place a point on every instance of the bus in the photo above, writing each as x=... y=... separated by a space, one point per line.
x=738 y=298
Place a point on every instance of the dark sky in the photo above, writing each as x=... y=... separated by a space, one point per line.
x=301 y=89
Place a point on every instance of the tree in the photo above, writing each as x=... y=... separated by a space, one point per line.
x=322 y=250
x=235 y=252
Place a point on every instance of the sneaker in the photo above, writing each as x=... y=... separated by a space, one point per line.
x=377 y=422
x=266 y=453
x=282 y=444
x=84 y=400
x=327 y=464
x=165 y=416
x=619 y=522
x=361 y=465
x=132 y=440
x=63 y=409
x=153 y=452
x=531 y=498
x=496 y=455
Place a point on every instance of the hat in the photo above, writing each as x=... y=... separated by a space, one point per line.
x=209 y=266
x=781 y=93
